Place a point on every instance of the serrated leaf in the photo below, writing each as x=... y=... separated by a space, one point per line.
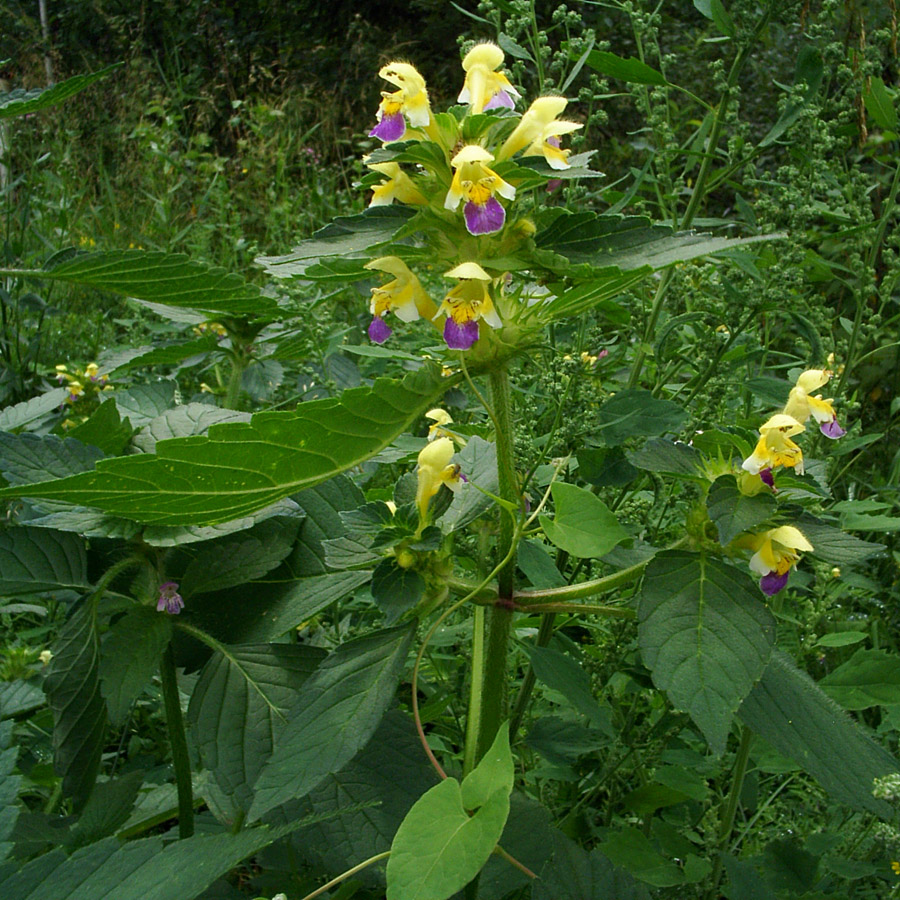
x=130 y=658
x=833 y=545
x=20 y=102
x=442 y=845
x=869 y=678
x=104 y=429
x=22 y=414
x=37 y=560
x=582 y=523
x=236 y=559
x=577 y=874
x=21 y=695
x=143 y=403
x=239 y=706
x=637 y=413
x=478 y=462
x=183 y=421
x=170 y=354
x=239 y=468
x=108 y=808
x=345 y=236
x=670 y=457
x=705 y=635
x=9 y=788
x=386 y=777
x=732 y=512
x=79 y=713
x=597 y=293
x=395 y=590
x=29 y=458
x=336 y=713
x=634 y=851
x=801 y=722
x=605 y=467
x=169 y=278
x=562 y=673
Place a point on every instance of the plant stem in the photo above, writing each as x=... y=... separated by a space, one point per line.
x=545 y=632
x=731 y=805
x=348 y=873
x=233 y=394
x=499 y=619
x=180 y=759
x=473 y=722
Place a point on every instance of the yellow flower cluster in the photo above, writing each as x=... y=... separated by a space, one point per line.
x=81 y=381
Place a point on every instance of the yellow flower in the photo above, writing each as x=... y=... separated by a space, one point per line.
x=775 y=447
x=435 y=469
x=484 y=87
x=440 y=417
x=399 y=186
x=777 y=552
x=538 y=133
x=403 y=296
x=895 y=867
x=475 y=183
x=407 y=104
x=465 y=304
x=802 y=404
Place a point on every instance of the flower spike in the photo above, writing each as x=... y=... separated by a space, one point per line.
x=775 y=447
x=407 y=104
x=404 y=297
x=484 y=87
x=777 y=552
x=538 y=133
x=399 y=186
x=802 y=404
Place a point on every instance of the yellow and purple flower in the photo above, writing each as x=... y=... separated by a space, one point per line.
x=485 y=87
x=169 y=599
x=409 y=103
x=538 y=133
x=465 y=304
x=399 y=186
x=802 y=404
x=404 y=297
x=475 y=183
x=775 y=447
x=777 y=552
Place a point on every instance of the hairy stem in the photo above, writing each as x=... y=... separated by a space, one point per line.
x=178 y=741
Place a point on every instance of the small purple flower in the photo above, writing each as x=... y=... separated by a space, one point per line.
x=500 y=99
x=772 y=583
x=832 y=429
x=379 y=332
x=766 y=477
x=169 y=599
x=391 y=127
x=460 y=337
x=484 y=218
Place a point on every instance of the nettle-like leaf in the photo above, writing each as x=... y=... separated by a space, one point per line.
x=345 y=236
x=240 y=705
x=21 y=102
x=452 y=829
x=706 y=636
x=336 y=713
x=801 y=722
x=668 y=457
x=131 y=654
x=37 y=560
x=869 y=678
x=14 y=417
x=582 y=524
x=169 y=278
x=79 y=713
x=9 y=788
x=636 y=413
x=733 y=512
x=239 y=468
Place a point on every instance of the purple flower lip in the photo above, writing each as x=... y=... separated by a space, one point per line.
x=484 y=218
x=460 y=337
x=772 y=583
x=767 y=477
x=500 y=99
x=832 y=429
x=391 y=128
x=378 y=330
x=170 y=600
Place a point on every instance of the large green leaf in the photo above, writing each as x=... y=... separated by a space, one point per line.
x=636 y=413
x=346 y=235
x=452 y=829
x=833 y=545
x=20 y=102
x=169 y=278
x=240 y=705
x=22 y=414
x=131 y=654
x=868 y=678
x=9 y=788
x=239 y=468
x=631 y=70
x=733 y=512
x=37 y=560
x=79 y=713
x=563 y=674
x=336 y=712
x=147 y=869
x=582 y=523
x=706 y=636
x=383 y=781
x=801 y=722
